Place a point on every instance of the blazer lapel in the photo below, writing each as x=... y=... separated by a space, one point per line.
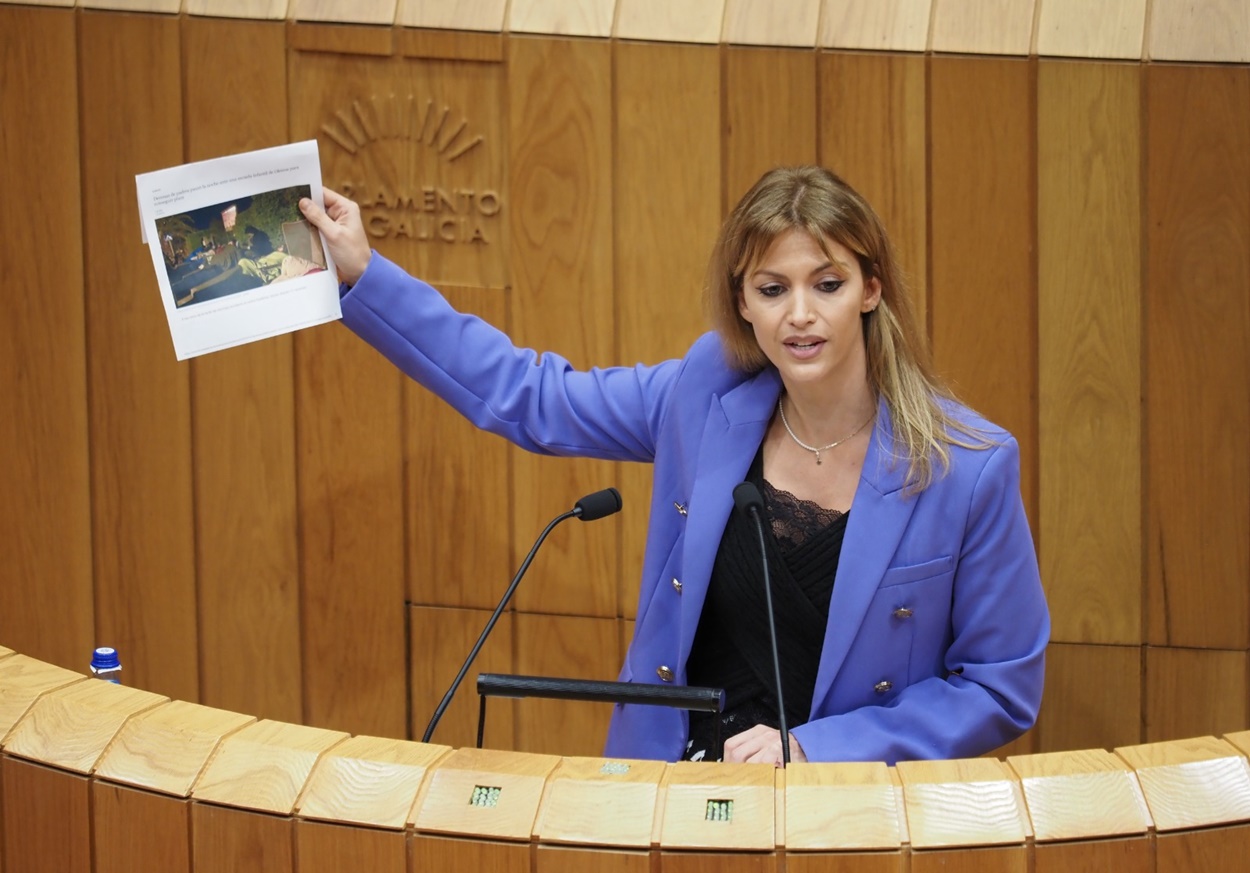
x=732 y=433
x=879 y=515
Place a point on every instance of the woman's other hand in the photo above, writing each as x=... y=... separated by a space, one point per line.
x=344 y=233
x=760 y=745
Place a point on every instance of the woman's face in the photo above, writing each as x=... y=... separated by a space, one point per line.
x=805 y=310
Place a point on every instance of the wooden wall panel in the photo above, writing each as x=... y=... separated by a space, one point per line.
x=765 y=22
x=440 y=640
x=564 y=647
x=560 y=183
x=1208 y=849
x=45 y=522
x=1190 y=692
x=1089 y=349
x=53 y=835
x=349 y=429
x=1123 y=856
x=141 y=442
x=991 y=27
x=983 y=304
x=887 y=25
x=243 y=414
x=331 y=848
x=667 y=215
x=225 y=840
x=770 y=114
x=873 y=134
x=458 y=510
x=1093 y=698
x=1074 y=28
x=440 y=853
x=1214 y=30
x=1198 y=355
x=138 y=830
x=696 y=21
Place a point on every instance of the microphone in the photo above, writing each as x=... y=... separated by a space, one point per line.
x=589 y=508
x=748 y=500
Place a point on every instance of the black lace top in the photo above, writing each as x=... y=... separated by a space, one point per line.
x=731 y=647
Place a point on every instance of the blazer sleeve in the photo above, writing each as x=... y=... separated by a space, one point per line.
x=994 y=665
x=538 y=401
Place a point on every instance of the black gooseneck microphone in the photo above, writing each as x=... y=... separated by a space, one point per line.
x=748 y=500
x=589 y=508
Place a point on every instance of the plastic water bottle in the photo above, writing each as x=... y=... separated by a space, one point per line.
x=106 y=665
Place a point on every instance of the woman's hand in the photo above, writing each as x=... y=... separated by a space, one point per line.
x=761 y=745
x=344 y=233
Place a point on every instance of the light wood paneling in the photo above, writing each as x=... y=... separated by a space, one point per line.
x=227 y=840
x=243 y=413
x=141 y=441
x=1093 y=698
x=873 y=134
x=764 y=22
x=254 y=9
x=846 y=862
x=1198 y=355
x=330 y=848
x=564 y=647
x=1194 y=691
x=1123 y=856
x=1089 y=349
x=51 y=835
x=486 y=15
x=707 y=862
x=45 y=522
x=440 y=641
x=569 y=859
x=138 y=830
x=667 y=213
x=562 y=17
x=439 y=853
x=983 y=309
x=168 y=7
x=770 y=114
x=885 y=25
x=972 y=860
x=693 y=21
x=990 y=27
x=459 y=551
x=1075 y=28
x=560 y=179
x=347 y=11
x=1213 y=30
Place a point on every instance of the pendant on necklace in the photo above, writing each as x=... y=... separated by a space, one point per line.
x=818 y=457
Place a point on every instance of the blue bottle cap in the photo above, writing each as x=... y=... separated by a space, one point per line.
x=105 y=658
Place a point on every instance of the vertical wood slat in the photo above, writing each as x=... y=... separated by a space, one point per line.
x=52 y=835
x=560 y=179
x=45 y=524
x=697 y=21
x=329 y=848
x=893 y=25
x=873 y=134
x=350 y=471
x=564 y=647
x=1073 y=28
x=1213 y=31
x=981 y=219
x=1089 y=349
x=138 y=830
x=141 y=441
x=770 y=114
x=991 y=27
x=1197 y=359
x=1191 y=692
x=243 y=412
x=225 y=840
x=667 y=213
x=1093 y=697
x=764 y=22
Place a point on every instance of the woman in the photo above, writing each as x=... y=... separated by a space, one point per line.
x=911 y=618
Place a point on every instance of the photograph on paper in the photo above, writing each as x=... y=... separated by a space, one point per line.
x=235 y=259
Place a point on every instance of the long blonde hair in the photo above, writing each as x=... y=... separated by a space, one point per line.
x=900 y=369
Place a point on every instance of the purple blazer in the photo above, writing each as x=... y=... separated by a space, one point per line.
x=938 y=624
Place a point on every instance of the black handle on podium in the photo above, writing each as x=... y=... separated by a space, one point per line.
x=673 y=696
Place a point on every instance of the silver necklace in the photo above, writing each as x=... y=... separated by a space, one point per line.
x=781 y=408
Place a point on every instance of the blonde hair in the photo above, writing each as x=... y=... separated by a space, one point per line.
x=899 y=367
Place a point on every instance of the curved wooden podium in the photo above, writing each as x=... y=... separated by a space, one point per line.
x=104 y=778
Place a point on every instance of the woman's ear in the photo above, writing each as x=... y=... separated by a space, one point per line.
x=872 y=294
